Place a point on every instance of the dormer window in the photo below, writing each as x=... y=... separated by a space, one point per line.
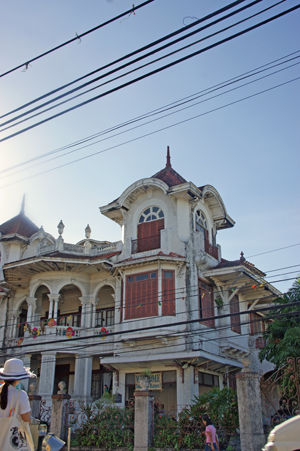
x=202 y=226
x=151 y=222
x=201 y=222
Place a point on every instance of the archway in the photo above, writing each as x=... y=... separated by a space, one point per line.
x=69 y=306
x=105 y=307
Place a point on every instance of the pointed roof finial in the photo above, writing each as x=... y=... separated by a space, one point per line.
x=168 y=165
x=22 y=211
x=242 y=258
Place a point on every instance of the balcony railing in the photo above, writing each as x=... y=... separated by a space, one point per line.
x=211 y=250
x=105 y=317
x=70 y=319
x=145 y=244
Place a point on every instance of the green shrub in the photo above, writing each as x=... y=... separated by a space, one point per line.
x=106 y=426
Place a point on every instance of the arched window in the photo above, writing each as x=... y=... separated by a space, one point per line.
x=151 y=222
x=151 y=214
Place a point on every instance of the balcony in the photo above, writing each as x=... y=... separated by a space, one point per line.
x=211 y=250
x=145 y=244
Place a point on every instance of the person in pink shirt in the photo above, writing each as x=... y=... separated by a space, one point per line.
x=211 y=438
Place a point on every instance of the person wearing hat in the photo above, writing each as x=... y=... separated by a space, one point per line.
x=12 y=399
x=12 y=372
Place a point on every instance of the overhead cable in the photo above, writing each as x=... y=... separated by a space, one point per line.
x=155 y=71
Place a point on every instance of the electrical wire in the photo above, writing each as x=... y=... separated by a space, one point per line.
x=151 y=133
x=194 y=333
x=141 y=49
x=155 y=71
x=174 y=112
x=165 y=325
x=78 y=37
x=167 y=107
x=14 y=119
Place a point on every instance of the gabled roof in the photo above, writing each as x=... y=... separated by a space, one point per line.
x=168 y=174
x=19 y=224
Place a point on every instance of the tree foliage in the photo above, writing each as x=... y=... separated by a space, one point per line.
x=283 y=332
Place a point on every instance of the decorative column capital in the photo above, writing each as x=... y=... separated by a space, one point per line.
x=53 y=297
x=31 y=300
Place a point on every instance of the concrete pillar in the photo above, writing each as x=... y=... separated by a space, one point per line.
x=26 y=361
x=250 y=411
x=35 y=404
x=143 y=420
x=50 y=314
x=83 y=377
x=187 y=387
x=47 y=375
x=59 y=415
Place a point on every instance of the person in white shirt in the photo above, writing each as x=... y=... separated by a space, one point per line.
x=12 y=372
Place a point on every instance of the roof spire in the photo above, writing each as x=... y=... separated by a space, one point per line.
x=168 y=165
x=22 y=211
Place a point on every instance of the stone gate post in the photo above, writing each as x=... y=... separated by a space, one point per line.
x=250 y=410
x=59 y=415
x=143 y=420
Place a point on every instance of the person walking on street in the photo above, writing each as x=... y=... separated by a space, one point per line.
x=211 y=437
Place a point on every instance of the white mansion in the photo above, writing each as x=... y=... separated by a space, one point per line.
x=162 y=299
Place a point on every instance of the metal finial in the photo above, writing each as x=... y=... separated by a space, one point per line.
x=168 y=165
x=22 y=211
x=242 y=258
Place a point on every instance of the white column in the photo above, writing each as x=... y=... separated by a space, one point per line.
x=83 y=377
x=50 y=306
x=26 y=361
x=29 y=314
x=159 y=291
x=46 y=384
x=187 y=387
x=56 y=300
x=86 y=311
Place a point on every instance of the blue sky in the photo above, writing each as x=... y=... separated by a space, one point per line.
x=248 y=151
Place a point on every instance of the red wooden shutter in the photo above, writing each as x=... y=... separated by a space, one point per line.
x=236 y=319
x=206 y=304
x=141 y=295
x=148 y=235
x=168 y=293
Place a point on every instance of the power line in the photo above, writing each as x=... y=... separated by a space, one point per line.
x=141 y=49
x=170 y=106
x=78 y=37
x=273 y=250
x=180 y=334
x=155 y=71
x=153 y=132
x=14 y=119
x=177 y=323
x=167 y=114
x=184 y=335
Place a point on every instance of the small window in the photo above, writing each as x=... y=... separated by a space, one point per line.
x=141 y=277
x=168 y=274
x=153 y=275
x=142 y=219
x=130 y=279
